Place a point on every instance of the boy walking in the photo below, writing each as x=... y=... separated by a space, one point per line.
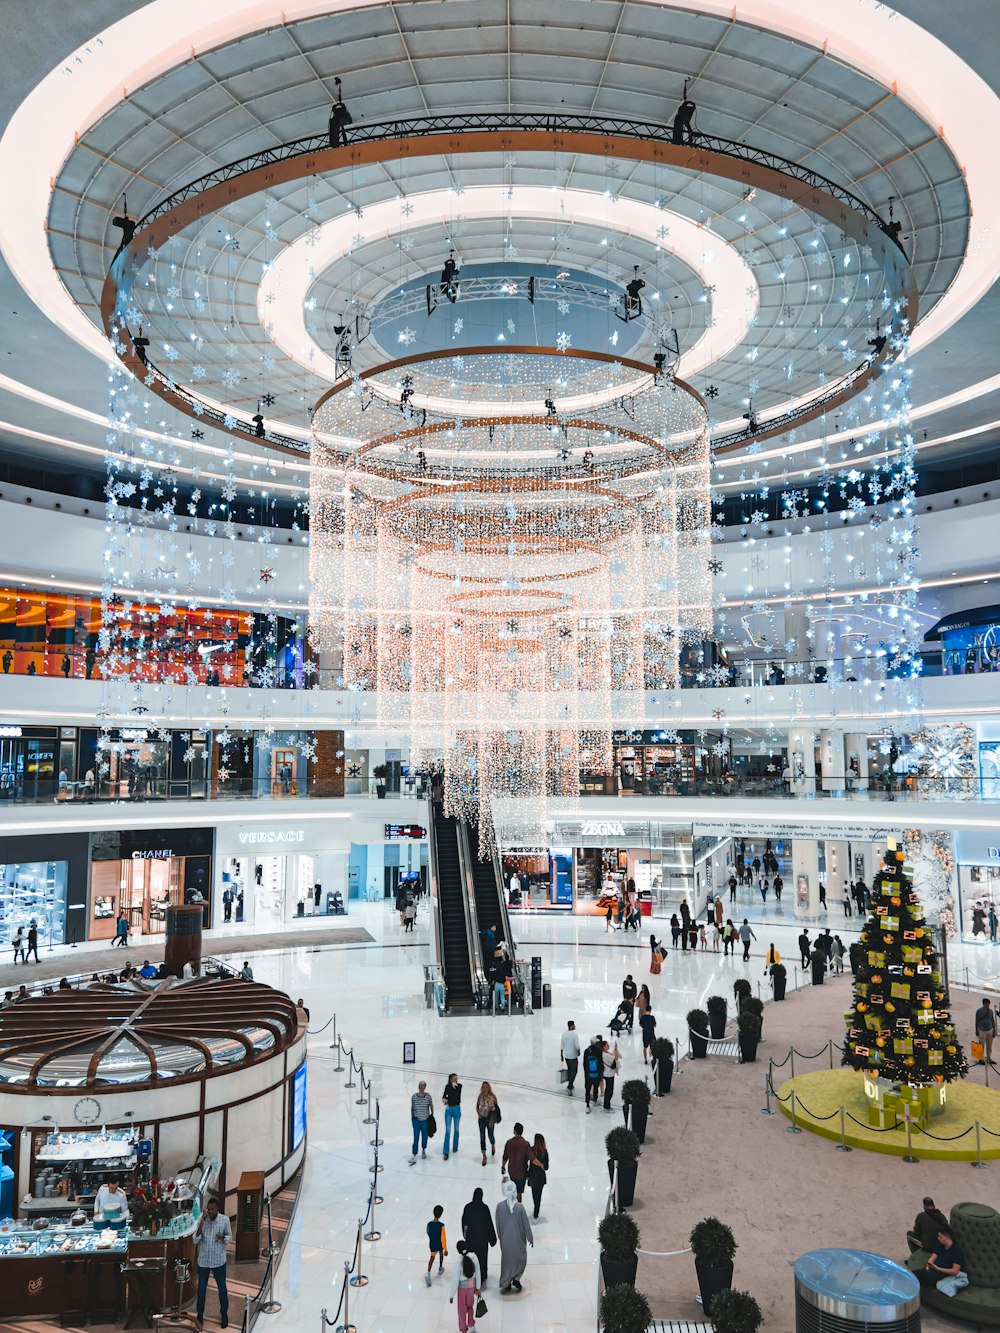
x=438 y=1239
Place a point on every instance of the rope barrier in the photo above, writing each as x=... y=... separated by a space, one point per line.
x=942 y=1138
x=663 y=1254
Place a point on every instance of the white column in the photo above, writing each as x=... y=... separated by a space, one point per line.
x=831 y=754
x=837 y=870
x=801 y=762
x=856 y=750
x=805 y=877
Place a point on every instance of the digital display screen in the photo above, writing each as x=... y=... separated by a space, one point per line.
x=298 y=1106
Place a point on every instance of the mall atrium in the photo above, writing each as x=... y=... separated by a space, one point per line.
x=499 y=505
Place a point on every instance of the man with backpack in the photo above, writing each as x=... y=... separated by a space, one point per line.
x=593 y=1070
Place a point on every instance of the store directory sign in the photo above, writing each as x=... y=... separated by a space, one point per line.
x=299 y=1106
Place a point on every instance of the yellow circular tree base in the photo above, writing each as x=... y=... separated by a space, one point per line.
x=823 y=1093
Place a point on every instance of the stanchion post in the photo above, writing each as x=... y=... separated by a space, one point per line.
x=350 y=1074
x=842 y=1145
x=359 y=1279
x=791 y=1060
x=373 y=1234
x=338 y=1068
x=766 y=1108
x=830 y=1044
x=347 y=1326
x=360 y=1101
x=270 y=1306
x=369 y=1118
x=907 y=1121
x=374 y=1170
x=793 y=1127
x=376 y=1142
x=979 y=1164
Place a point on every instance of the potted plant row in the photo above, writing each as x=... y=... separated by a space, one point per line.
x=779 y=980
x=635 y=1103
x=748 y=1025
x=714 y=1248
x=717 y=1013
x=625 y=1310
x=623 y=1150
x=618 y=1237
x=662 y=1051
x=697 y=1021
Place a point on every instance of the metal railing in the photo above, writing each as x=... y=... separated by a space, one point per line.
x=476 y=961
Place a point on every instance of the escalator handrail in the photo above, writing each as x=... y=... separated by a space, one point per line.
x=476 y=961
x=437 y=934
x=504 y=914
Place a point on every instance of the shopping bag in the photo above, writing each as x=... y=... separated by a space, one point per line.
x=563 y=1075
x=977 y=1050
x=481 y=1308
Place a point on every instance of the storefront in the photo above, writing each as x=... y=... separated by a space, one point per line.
x=163 y=1088
x=669 y=763
x=44 y=880
x=142 y=872
x=978 y=859
x=589 y=862
x=274 y=872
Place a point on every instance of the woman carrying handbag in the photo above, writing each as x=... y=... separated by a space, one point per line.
x=538 y=1168
x=488 y=1111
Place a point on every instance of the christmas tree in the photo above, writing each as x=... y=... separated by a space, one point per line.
x=899 y=1028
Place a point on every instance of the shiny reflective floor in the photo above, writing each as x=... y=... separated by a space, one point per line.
x=376 y=993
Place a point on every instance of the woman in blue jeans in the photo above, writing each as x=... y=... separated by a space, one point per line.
x=421 y=1110
x=488 y=1111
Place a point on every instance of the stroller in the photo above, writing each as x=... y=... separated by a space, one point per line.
x=622 y=1021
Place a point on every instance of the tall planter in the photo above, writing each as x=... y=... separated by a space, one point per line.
x=628 y=1172
x=779 y=980
x=636 y=1118
x=623 y=1149
x=662 y=1051
x=711 y=1281
x=616 y=1273
x=717 y=1014
x=697 y=1021
x=618 y=1237
x=664 y=1077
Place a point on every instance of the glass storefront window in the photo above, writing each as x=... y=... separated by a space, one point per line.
x=34 y=891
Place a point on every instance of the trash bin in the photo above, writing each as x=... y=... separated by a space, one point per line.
x=546 y=996
x=852 y=1291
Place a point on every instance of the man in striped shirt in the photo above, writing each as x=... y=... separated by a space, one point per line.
x=211 y=1237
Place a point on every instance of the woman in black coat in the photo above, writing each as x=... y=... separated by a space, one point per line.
x=478 y=1230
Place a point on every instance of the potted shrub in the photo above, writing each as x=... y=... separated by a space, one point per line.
x=636 y=1097
x=749 y=1035
x=697 y=1021
x=380 y=772
x=618 y=1236
x=779 y=980
x=717 y=1011
x=741 y=989
x=736 y=1312
x=714 y=1248
x=623 y=1149
x=662 y=1051
x=625 y=1310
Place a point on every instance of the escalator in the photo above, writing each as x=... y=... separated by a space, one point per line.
x=491 y=907
x=455 y=950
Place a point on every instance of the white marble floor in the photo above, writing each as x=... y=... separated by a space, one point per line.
x=376 y=992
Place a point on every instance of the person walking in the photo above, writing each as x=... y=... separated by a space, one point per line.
x=538 y=1168
x=121 y=931
x=514 y=1232
x=647 y=1024
x=409 y=916
x=17 y=943
x=452 y=1098
x=569 y=1053
x=479 y=1231
x=643 y=1002
x=421 y=1110
x=837 y=954
x=32 y=942
x=719 y=914
x=728 y=937
x=629 y=991
x=467 y=1288
x=437 y=1238
x=656 y=954
x=991 y=917
x=611 y=1059
x=778 y=886
x=732 y=888
x=805 y=947
x=212 y=1234
x=746 y=935
x=593 y=1064
x=822 y=895
x=516 y=1155
x=770 y=958
x=609 y=917
x=488 y=1111
x=986 y=1030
